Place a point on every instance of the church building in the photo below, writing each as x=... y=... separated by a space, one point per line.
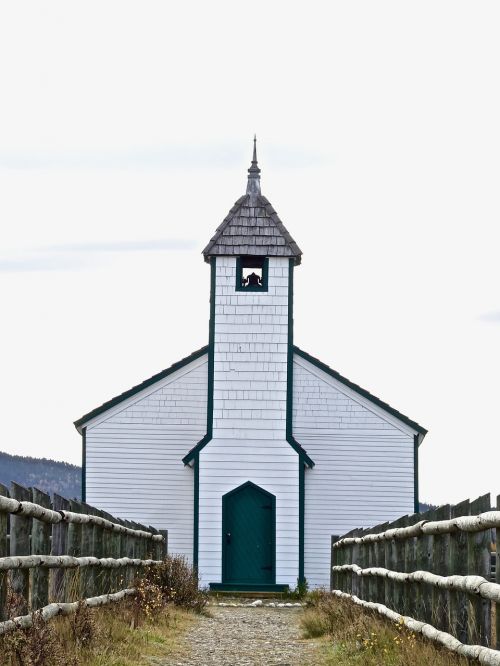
x=251 y=452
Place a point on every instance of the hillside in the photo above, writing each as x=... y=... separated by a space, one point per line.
x=50 y=476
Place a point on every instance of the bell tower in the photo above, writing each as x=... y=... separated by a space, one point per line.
x=252 y=257
x=249 y=449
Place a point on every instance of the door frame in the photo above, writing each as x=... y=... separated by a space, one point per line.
x=225 y=497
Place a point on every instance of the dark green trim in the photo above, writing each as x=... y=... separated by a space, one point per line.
x=289 y=369
x=229 y=587
x=302 y=454
x=303 y=457
x=190 y=456
x=415 y=474
x=366 y=394
x=272 y=499
x=139 y=387
x=84 y=464
x=265 y=276
x=211 y=341
x=194 y=454
x=302 y=471
x=196 y=509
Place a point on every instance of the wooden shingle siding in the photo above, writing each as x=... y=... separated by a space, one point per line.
x=250 y=355
x=134 y=455
x=226 y=464
x=364 y=464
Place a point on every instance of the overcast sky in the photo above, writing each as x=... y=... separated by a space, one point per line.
x=125 y=135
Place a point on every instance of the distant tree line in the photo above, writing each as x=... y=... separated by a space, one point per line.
x=425 y=506
x=51 y=476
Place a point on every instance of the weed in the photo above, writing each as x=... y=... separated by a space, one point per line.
x=36 y=646
x=83 y=626
x=178 y=583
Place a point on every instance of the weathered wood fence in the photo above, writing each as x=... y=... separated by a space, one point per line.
x=433 y=571
x=54 y=554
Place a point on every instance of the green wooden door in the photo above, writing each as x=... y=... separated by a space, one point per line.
x=248 y=536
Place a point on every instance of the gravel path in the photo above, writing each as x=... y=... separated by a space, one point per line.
x=243 y=636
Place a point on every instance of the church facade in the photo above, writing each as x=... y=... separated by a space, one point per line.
x=251 y=452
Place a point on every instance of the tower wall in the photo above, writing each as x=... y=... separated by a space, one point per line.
x=250 y=354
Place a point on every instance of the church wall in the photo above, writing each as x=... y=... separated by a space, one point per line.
x=364 y=464
x=250 y=354
x=134 y=456
x=273 y=465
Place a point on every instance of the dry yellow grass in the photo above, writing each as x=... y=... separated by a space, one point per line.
x=354 y=636
x=99 y=637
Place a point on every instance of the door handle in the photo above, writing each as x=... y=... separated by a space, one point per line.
x=269 y=568
x=228 y=537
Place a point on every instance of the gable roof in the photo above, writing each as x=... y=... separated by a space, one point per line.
x=252 y=227
x=204 y=350
x=139 y=387
x=361 y=391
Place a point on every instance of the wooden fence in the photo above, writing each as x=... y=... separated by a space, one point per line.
x=54 y=554
x=433 y=571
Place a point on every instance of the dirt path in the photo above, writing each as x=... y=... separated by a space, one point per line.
x=245 y=636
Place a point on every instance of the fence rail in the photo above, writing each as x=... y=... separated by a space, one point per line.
x=53 y=554
x=434 y=569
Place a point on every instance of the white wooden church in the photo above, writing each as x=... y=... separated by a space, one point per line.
x=251 y=452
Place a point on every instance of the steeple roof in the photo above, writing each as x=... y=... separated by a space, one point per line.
x=252 y=226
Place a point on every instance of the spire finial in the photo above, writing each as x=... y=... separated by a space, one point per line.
x=253 y=185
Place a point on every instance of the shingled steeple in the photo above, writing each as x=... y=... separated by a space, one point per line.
x=252 y=226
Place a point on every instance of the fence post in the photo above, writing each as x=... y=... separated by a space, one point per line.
x=479 y=544
x=332 y=561
x=355 y=560
x=58 y=547
x=117 y=539
x=40 y=545
x=440 y=566
x=72 y=576
x=20 y=527
x=497 y=574
x=410 y=546
x=372 y=562
x=129 y=552
x=398 y=560
x=390 y=564
x=362 y=563
x=424 y=558
x=339 y=560
x=348 y=560
x=87 y=534
x=3 y=553
x=458 y=602
x=380 y=562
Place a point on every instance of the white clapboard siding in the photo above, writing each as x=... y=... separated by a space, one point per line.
x=225 y=464
x=250 y=354
x=134 y=454
x=364 y=472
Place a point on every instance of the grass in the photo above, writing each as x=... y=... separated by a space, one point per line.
x=149 y=623
x=116 y=643
x=106 y=636
x=353 y=636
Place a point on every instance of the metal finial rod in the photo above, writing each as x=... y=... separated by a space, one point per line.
x=253 y=185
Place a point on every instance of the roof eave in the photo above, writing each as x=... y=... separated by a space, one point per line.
x=109 y=404
x=422 y=432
